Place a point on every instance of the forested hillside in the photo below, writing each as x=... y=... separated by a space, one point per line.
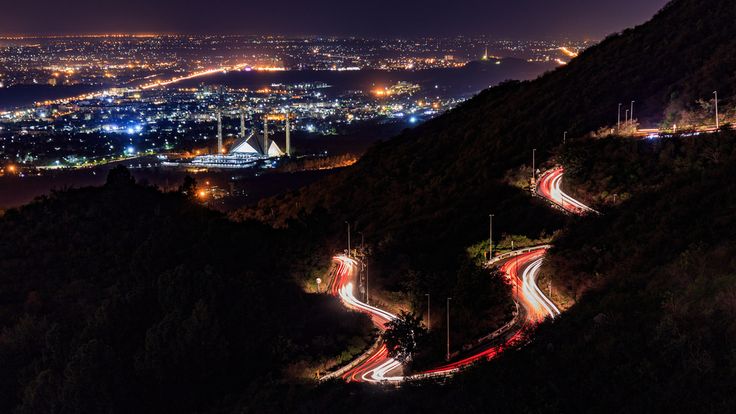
x=608 y=171
x=680 y=56
x=424 y=196
x=123 y=299
x=653 y=326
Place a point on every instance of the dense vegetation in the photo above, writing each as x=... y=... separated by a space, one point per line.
x=424 y=196
x=449 y=164
x=654 y=327
x=123 y=299
x=609 y=170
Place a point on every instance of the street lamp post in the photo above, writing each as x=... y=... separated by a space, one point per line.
x=490 y=239
x=346 y=222
x=627 y=116
x=564 y=138
x=718 y=121
x=618 y=123
x=429 y=312
x=448 y=329
x=367 y=298
x=632 y=111
x=516 y=275
x=363 y=264
x=534 y=162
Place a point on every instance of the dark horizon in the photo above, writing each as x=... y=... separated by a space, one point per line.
x=525 y=19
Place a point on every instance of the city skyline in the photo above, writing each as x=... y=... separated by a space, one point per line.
x=522 y=19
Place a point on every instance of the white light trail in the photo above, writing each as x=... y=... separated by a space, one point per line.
x=562 y=198
x=532 y=292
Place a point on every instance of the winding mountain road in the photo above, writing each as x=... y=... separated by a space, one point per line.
x=549 y=187
x=520 y=266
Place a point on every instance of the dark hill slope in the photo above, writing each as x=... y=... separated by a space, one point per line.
x=122 y=299
x=655 y=331
x=428 y=192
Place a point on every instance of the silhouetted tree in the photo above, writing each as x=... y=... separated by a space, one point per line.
x=404 y=335
x=189 y=187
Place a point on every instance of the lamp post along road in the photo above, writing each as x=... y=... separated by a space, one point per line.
x=516 y=272
x=448 y=329
x=490 y=239
x=718 y=121
x=348 y=237
x=632 y=111
x=367 y=298
x=363 y=263
x=618 y=123
x=429 y=312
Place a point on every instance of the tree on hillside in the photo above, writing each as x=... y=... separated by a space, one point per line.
x=404 y=335
x=189 y=187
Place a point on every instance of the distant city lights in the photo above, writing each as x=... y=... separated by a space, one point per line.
x=156 y=101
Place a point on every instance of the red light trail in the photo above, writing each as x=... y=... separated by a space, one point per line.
x=549 y=187
x=378 y=366
x=522 y=269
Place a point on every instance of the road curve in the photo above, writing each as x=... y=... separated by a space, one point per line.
x=549 y=187
x=522 y=269
x=376 y=364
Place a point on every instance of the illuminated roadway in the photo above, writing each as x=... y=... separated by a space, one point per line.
x=159 y=83
x=375 y=364
x=521 y=267
x=549 y=187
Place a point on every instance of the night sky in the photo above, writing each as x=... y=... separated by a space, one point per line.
x=579 y=19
